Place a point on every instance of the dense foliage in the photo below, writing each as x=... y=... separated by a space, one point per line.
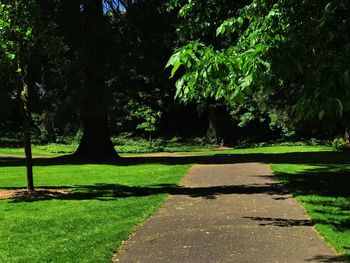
x=292 y=53
x=279 y=67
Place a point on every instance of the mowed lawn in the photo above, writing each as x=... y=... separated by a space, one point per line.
x=319 y=178
x=107 y=201
x=105 y=204
x=324 y=192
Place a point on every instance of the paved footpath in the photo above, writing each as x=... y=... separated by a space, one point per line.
x=227 y=213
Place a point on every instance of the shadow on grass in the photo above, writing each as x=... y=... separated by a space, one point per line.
x=108 y=192
x=325 y=193
x=325 y=189
x=285 y=158
x=318 y=181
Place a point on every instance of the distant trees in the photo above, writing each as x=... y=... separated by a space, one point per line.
x=87 y=59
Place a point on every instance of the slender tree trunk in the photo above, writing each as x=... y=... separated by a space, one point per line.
x=347 y=136
x=26 y=134
x=150 y=139
x=23 y=93
x=213 y=124
x=96 y=142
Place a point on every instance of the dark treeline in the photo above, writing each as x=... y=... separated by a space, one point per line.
x=107 y=59
x=99 y=67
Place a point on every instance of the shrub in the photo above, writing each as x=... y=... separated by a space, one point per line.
x=339 y=143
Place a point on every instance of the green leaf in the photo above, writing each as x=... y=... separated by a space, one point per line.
x=176 y=66
x=179 y=84
x=11 y=56
x=220 y=30
x=173 y=59
x=240 y=21
x=247 y=81
x=28 y=33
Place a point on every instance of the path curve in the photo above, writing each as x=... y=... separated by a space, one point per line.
x=233 y=213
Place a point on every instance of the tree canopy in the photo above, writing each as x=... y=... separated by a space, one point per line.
x=96 y=68
x=294 y=53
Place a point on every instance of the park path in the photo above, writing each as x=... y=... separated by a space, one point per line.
x=228 y=213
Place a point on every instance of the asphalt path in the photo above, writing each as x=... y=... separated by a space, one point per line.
x=228 y=213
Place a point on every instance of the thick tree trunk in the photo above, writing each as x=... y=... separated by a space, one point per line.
x=96 y=142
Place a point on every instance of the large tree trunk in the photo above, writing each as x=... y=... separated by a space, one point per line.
x=96 y=142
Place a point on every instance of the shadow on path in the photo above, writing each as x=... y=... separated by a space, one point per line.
x=281 y=222
x=329 y=180
x=108 y=192
x=329 y=259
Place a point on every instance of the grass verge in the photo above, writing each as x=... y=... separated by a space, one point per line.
x=107 y=201
x=323 y=190
x=319 y=178
x=104 y=204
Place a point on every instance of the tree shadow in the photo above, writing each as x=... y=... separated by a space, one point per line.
x=108 y=192
x=329 y=259
x=280 y=222
x=285 y=158
x=329 y=181
x=325 y=192
x=318 y=181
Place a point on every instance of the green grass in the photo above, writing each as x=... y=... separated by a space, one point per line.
x=36 y=151
x=324 y=191
x=271 y=150
x=319 y=178
x=123 y=145
x=106 y=203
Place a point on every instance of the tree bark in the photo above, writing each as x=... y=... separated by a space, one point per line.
x=96 y=142
x=213 y=124
x=26 y=134
x=347 y=136
x=23 y=95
